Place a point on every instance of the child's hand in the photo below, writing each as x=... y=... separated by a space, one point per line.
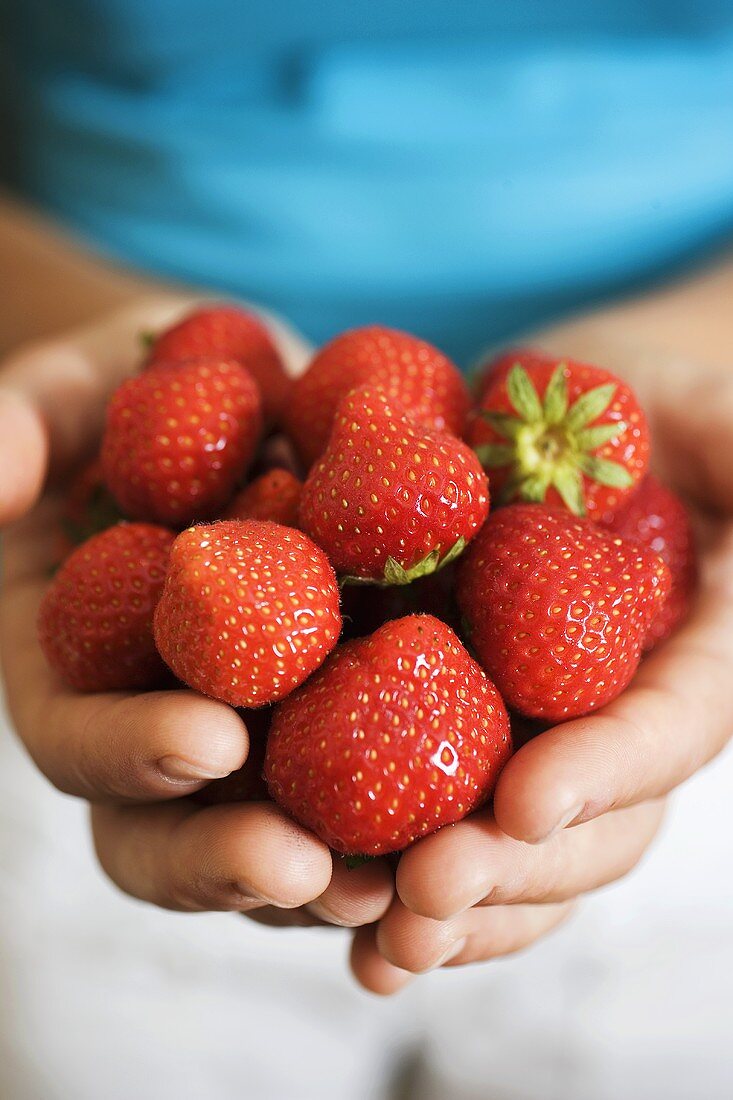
x=493 y=884
x=135 y=756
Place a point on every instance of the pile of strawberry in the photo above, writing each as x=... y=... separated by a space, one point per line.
x=320 y=553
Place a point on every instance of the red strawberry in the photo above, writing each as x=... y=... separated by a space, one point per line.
x=396 y=735
x=227 y=332
x=178 y=439
x=561 y=432
x=246 y=784
x=88 y=508
x=95 y=623
x=250 y=609
x=430 y=387
x=657 y=519
x=388 y=500
x=274 y=496
x=557 y=608
x=484 y=373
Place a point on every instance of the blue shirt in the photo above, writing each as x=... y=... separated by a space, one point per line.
x=461 y=168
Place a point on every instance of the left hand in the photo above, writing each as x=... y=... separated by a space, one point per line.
x=577 y=806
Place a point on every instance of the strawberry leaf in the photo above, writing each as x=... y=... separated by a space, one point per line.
x=494 y=455
x=506 y=426
x=592 y=438
x=569 y=484
x=534 y=488
x=455 y=551
x=352 y=862
x=555 y=403
x=523 y=395
x=590 y=406
x=612 y=474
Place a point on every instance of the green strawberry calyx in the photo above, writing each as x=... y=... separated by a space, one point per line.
x=550 y=443
x=395 y=573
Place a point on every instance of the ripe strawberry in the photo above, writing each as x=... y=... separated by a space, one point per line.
x=274 y=496
x=487 y=368
x=88 y=508
x=249 y=610
x=95 y=623
x=246 y=784
x=390 y=501
x=655 y=518
x=227 y=332
x=179 y=437
x=557 y=608
x=561 y=432
x=425 y=382
x=397 y=734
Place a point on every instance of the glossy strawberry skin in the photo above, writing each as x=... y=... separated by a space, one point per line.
x=395 y=736
x=657 y=519
x=179 y=437
x=386 y=488
x=249 y=610
x=95 y=624
x=557 y=609
x=227 y=332
x=274 y=495
x=410 y=370
x=630 y=449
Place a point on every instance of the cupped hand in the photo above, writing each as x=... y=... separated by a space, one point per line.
x=136 y=756
x=577 y=806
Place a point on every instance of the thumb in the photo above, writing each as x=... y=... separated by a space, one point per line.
x=697 y=433
x=23 y=454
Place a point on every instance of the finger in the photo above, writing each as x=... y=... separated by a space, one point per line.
x=410 y=944
x=233 y=857
x=53 y=394
x=697 y=427
x=371 y=969
x=355 y=897
x=132 y=746
x=508 y=930
x=676 y=716
x=475 y=863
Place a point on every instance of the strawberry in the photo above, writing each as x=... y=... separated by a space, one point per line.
x=654 y=517
x=483 y=374
x=274 y=496
x=430 y=387
x=397 y=734
x=557 y=608
x=88 y=508
x=227 y=332
x=95 y=623
x=246 y=784
x=249 y=610
x=561 y=432
x=179 y=437
x=390 y=501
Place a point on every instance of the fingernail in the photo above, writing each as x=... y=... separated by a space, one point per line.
x=249 y=896
x=453 y=951
x=325 y=914
x=563 y=823
x=179 y=770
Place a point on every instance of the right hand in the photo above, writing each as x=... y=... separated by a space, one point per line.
x=135 y=757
